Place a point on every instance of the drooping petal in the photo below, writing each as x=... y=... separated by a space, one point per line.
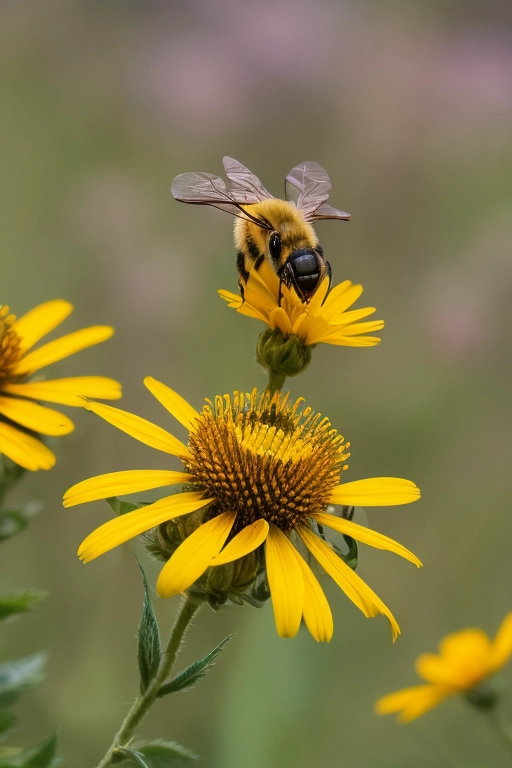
x=40 y=321
x=316 y=610
x=502 y=645
x=121 y=483
x=63 y=347
x=144 y=431
x=24 y=449
x=376 y=492
x=173 y=402
x=366 y=536
x=35 y=417
x=126 y=527
x=412 y=702
x=249 y=539
x=233 y=299
x=286 y=582
x=194 y=555
x=68 y=391
x=353 y=586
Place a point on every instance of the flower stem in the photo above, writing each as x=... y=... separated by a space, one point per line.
x=501 y=727
x=144 y=702
x=275 y=380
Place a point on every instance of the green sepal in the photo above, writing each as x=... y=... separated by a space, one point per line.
x=154 y=754
x=123 y=507
x=21 y=601
x=349 y=557
x=7 y=720
x=149 y=651
x=41 y=755
x=195 y=672
x=19 y=676
x=13 y=521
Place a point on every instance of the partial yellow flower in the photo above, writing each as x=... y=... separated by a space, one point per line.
x=323 y=320
x=265 y=469
x=465 y=660
x=20 y=416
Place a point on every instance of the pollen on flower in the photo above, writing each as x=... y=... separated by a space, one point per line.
x=262 y=456
x=10 y=344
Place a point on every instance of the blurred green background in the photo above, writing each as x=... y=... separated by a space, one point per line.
x=408 y=105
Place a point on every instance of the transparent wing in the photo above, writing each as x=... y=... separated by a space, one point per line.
x=243 y=182
x=314 y=185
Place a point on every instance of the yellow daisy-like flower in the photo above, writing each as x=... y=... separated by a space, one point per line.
x=20 y=416
x=323 y=320
x=465 y=660
x=267 y=470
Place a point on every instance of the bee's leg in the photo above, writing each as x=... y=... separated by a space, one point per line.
x=329 y=275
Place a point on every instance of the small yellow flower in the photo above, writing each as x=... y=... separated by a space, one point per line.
x=323 y=320
x=20 y=417
x=265 y=470
x=465 y=660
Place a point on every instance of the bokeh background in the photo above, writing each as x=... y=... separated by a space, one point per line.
x=408 y=105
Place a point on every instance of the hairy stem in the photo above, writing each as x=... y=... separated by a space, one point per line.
x=275 y=380
x=145 y=701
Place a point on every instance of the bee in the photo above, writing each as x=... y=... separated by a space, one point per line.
x=267 y=227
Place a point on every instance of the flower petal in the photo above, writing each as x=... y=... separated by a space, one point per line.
x=249 y=539
x=69 y=391
x=340 y=298
x=279 y=319
x=24 y=449
x=285 y=581
x=376 y=492
x=140 y=429
x=316 y=609
x=233 y=299
x=63 y=347
x=121 y=483
x=35 y=417
x=121 y=529
x=411 y=702
x=194 y=555
x=40 y=321
x=173 y=402
x=502 y=644
x=353 y=586
x=366 y=536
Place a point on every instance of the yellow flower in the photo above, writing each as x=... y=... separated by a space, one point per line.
x=267 y=470
x=324 y=319
x=19 y=415
x=465 y=660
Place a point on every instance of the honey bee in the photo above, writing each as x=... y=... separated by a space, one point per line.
x=267 y=227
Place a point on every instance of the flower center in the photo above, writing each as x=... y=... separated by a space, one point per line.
x=262 y=456
x=10 y=345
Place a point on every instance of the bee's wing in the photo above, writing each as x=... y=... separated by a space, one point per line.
x=313 y=184
x=243 y=182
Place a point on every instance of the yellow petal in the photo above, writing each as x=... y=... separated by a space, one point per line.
x=249 y=539
x=285 y=581
x=24 y=449
x=316 y=609
x=366 y=536
x=63 y=347
x=466 y=644
x=121 y=483
x=194 y=555
x=318 y=297
x=40 y=321
x=233 y=299
x=174 y=403
x=457 y=677
x=502 y=644
x=340 y=298
x=353 y=586
x=121 y=529
x=411 y=702
x=144 y=431
x=69 y=391
x=35 y=417
x=348 y=318
x=376 y=492
x=341 y=339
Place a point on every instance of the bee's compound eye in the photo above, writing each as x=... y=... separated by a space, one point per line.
x=274 y=246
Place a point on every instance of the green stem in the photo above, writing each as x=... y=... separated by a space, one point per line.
x=501 y=727
x=144 y=702
x=275 y=380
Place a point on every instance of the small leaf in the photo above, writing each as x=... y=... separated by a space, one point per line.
x=19 y=676
x=20 y=601
x=7 y=720
x=195 y=672
x=149 y=652
x=163 y=754
x=13 y=521
x=123 y=507
x=135 y=758
x=42 y=755
x=350 y=552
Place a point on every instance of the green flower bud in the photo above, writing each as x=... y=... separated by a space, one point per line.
x=288 y=356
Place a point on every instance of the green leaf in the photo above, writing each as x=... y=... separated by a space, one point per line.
x=20 y=601
x=13 y=521
x=155 y=754
x=7 y=720
x=149 y=651
x=19 y=676
x=123 y=507
x=195 y=672
x=42 y=755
